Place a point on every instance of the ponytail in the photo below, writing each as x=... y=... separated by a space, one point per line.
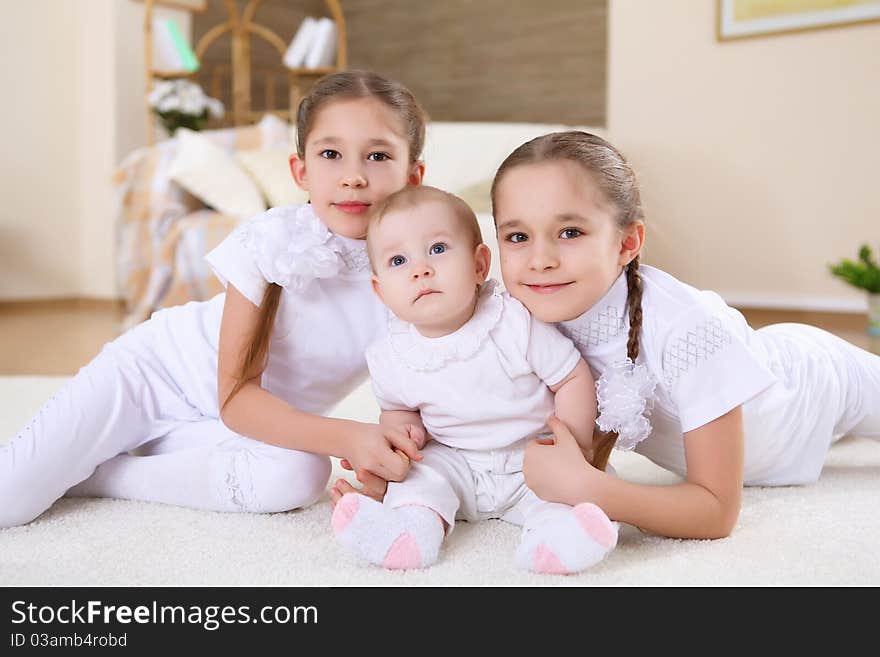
x=257 y=354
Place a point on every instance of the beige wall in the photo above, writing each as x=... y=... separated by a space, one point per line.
x=759 y=157
x=39 y=212
x=77 y=71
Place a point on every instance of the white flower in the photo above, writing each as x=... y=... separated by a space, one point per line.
x=184 y=96
x=625 y=395
x=168 y=104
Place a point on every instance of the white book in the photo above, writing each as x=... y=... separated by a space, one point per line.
x=165 y=55
x=323 y=49
x=296 y=53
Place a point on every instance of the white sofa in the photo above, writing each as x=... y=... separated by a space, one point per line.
x=462 y=158
x=179 y=198
x=166 y=230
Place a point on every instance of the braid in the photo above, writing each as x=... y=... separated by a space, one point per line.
x=604 y=441
x=634 y=305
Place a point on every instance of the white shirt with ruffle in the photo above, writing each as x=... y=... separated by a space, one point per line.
x=482 y=387
x=327 y=315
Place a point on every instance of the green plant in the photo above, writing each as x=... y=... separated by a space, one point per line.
x=864 y=273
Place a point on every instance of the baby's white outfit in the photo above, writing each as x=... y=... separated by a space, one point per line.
x=800 y=388
x=483 y=393
x=155 y=387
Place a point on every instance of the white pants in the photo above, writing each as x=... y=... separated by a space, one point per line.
x=123 y=400
x=471 y=485
x=827 y=389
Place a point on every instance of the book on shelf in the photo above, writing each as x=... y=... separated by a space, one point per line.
x=295 y=56
x=322 y=50
x=313 y=45
x=171 y=52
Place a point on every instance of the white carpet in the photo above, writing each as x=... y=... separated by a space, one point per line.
x=826 y=534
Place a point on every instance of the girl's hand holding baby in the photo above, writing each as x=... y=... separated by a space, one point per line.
x=405 y=440
x=557 y=471
x=383 y=452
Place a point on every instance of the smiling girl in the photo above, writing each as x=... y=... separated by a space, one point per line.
x=226 y=398
x=682 y=378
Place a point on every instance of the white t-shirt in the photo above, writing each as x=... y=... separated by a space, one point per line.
x=706 y=360
x=326 y=318
x=482 y=387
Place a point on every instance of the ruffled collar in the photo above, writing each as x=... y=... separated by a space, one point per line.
x=425 y=354
x=292 y=247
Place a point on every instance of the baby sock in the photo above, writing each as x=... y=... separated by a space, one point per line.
x=566 y=540
x=401 y=538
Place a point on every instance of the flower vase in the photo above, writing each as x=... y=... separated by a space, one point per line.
x=874 y=314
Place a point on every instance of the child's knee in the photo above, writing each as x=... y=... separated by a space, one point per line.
x=291 y=480
x=277 y=480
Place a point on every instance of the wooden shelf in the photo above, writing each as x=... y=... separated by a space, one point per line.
x=173 y=75
x=317 y=71
x=240 y=26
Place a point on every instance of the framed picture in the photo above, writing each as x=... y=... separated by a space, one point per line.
x=197 y=6
x=738 y=19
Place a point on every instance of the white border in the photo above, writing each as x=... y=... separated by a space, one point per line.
x=729 y=28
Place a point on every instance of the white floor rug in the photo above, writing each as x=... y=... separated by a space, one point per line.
x=825 y=534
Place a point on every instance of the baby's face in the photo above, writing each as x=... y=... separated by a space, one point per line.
x=426 y=267
x=561 y=249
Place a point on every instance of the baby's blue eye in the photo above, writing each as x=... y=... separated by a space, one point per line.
x=397 y=260
x=378 y=157
x=329 y=154
x=570 y=233
x=438 y=248
x=516 y=238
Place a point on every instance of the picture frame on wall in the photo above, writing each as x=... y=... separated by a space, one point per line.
x=197 y=6
x=739 y=19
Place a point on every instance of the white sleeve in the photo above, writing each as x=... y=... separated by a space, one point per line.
x=232 y=262
x=708 y=370
x=552 y=355
x=383 y=379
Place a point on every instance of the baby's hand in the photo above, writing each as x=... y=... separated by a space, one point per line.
x=401 y=433
x=373 y=486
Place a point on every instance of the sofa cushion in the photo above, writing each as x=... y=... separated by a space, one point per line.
x=270 y=171
x=214 y=176
x=462 y=157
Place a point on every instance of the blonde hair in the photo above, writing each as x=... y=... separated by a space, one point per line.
x=410 y=197
x=610 y=171
x=347 y=85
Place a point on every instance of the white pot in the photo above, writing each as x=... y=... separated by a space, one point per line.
x=874 y=314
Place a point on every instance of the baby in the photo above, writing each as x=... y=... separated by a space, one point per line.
x=486 y=377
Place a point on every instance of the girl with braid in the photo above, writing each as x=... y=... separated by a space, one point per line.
x=681 y=377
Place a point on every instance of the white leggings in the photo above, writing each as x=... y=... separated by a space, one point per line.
x=123 y=401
